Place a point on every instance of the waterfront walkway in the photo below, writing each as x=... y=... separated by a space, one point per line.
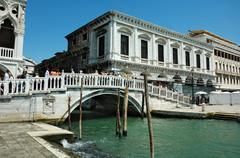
x=24 y=140
x=197 y=111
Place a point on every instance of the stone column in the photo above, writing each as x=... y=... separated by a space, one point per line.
x=18 y=48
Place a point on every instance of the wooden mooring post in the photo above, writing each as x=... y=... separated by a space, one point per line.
x=125 y=111
x=69 y=114
x=118 y=118
x=127 y=74
x=80 y=110
x=143 y=103
x=149 y=118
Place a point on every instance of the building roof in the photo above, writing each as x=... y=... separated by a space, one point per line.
x=140 y=23
x=199 y=32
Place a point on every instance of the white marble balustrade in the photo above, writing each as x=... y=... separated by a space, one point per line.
x=73 y=80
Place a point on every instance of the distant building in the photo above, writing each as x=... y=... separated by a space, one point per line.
x=227 y=59
x=29 y=66
x=12 y=25
x=114 y=41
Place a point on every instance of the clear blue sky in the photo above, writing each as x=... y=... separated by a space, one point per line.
x=48 y=21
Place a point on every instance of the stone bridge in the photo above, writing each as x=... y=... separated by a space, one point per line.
x=46 y=98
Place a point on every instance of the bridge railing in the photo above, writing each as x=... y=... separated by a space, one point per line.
x=73 y=80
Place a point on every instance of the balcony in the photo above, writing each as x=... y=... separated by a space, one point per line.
x=7 y=53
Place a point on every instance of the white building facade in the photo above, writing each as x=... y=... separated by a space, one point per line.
x=226 y=57
x=12 y=25
x=115 y=41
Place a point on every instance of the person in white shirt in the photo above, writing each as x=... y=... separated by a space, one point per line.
x=47 y=73
x=6 y=75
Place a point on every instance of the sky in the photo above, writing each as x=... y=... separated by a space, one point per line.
x=49 y=21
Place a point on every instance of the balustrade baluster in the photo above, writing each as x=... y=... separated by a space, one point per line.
x=39 y=84
x=62 y=81
x=50 y=86
x=100 y=80
x=5 y=88
x=21 y=86
x=103 y=79
x=46 y=83
x=91 y=80
x=94 y=81
x=17 y=87
x=26 y=86
x=13 y=87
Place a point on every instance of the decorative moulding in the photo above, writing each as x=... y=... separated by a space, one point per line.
x=175 y=44
x=198 y=51
x=188 y=48
x=144 y=36
x=161 y=41
x=125 y=30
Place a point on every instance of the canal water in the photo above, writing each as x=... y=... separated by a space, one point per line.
x=173 y=138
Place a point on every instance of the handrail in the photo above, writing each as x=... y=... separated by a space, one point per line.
x=73 y=80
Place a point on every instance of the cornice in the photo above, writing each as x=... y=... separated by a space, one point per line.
x=115 y=15
x=149 y=26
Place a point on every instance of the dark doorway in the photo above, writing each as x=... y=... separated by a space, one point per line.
x=7 y=37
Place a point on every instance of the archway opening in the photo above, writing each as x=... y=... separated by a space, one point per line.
x=7 y=37
x=103 y=106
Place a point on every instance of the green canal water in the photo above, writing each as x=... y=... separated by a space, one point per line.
x=173 y=138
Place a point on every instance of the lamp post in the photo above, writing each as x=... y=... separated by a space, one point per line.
x=127 y=72
x=150 y=129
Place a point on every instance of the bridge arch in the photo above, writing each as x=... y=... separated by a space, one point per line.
x=101 y=92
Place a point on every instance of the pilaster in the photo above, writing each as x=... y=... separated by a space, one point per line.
x=153 y=57
x=182 y=61
x=136 y=53
x=169 y=53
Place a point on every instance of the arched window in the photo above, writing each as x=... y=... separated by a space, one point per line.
x=189 y=80
x=210 y=83
x=177 y=78
x=200 y=82
x=7 y=37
